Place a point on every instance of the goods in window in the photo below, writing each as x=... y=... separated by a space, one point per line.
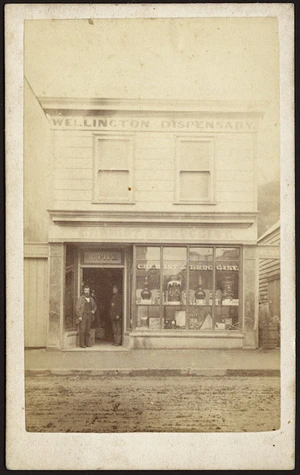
x=180 y=318
x=184 y=297
x=169 y=323
x=220 y=325
x=227 y=290
x=219 y=297
x=200 y=296
x=228 y=323
x=197 y=317
x=154 y=323
x=142 y=315
x=155 y=296
x=174 y=292
x=146 y=293
x=207 y=324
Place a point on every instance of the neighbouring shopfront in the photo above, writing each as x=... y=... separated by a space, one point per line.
x=158 y=198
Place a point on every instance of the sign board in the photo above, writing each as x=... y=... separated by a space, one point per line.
x=137 y=123
x=205 y=267
x=103 y=257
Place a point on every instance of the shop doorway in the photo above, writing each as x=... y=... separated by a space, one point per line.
x=101 y=282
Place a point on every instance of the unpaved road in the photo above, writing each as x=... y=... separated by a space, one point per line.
x=138 y=403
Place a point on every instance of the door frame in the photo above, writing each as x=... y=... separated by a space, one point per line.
x=122 y=267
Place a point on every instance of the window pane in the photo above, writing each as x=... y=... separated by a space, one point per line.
x=194 y=185
x=174 y=254
x=201 y=288
x=113 y=184
x=201 y=276
x=229 y=253
x=148 y=253
x=227 y=289
x=194 y=155
x=148 y=275
x=201 y=254
x=174 y=270
x=113 y=154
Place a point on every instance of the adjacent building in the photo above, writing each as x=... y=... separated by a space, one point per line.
x=269 y=268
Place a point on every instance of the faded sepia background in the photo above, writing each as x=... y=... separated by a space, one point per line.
x=228 y=59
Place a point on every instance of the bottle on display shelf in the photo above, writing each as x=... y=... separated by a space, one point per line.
x=227 y=291
x=200 y=294
x=146 y=293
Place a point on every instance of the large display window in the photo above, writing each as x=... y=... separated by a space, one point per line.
x=187 y=288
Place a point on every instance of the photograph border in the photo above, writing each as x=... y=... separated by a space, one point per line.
x=43 y=451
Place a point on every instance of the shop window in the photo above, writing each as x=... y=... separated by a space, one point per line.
x=147 y=293
x=113 y=169
x=194 y=288
x=195 y=170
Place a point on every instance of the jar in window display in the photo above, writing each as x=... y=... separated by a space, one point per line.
x=146 y=293
x=227 y=290
x=174 y=291
x=200 y=294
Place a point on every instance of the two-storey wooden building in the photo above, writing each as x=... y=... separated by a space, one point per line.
x=156 y=196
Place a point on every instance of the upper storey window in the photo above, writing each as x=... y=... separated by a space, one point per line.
x=194 y=170
x=113 y=169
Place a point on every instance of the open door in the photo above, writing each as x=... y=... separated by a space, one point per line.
x=101 y=282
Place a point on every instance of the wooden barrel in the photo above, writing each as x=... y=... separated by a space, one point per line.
x=269 y=335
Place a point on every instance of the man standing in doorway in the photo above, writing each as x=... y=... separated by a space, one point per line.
x=116 y=315
x=85 y=313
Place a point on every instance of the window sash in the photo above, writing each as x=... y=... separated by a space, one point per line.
x=104 y=168
x=181 y=169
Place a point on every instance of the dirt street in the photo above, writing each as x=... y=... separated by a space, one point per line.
x=139 y=403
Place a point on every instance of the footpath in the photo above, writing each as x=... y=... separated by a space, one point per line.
x=260 y=362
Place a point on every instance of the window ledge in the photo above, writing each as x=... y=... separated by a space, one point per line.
x=111 y=202
x=188 y=333
x=194 y=202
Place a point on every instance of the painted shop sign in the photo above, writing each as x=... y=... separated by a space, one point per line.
x=102 y=257
x=204 y=267
x=104 y=123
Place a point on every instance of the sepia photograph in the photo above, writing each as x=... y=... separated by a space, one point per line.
x=152 y=227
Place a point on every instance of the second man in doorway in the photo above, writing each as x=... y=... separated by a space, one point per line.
x=116 y=315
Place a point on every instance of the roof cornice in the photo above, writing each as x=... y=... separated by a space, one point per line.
x=138 y=105
x=139 y=218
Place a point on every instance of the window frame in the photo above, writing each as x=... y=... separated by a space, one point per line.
x=178 y=170
x=130 y=168
x=162 y=305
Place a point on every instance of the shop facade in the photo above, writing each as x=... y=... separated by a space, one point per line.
x=160 y=199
